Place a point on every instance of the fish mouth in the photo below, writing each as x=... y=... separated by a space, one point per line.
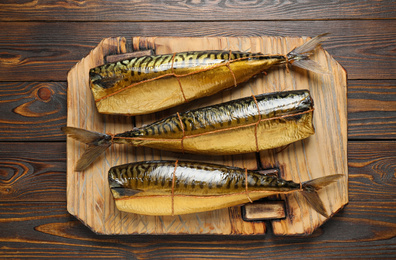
x=103 y=82
x=121 y=192
x=94 y=76
x=118 y=189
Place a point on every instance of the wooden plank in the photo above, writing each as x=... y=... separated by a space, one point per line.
x=372 y=109
x=373 y=165
x=39 y=47
x=194 y=10
x=371 y=113
x=32 y=110
x=46 y=229
x=371 y=168
x=32 y=171
x=324 y=153
x=88 y=194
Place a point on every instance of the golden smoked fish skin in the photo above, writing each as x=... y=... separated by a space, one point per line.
x=244 y=125
x=152 y=83
x=239 y=126
x=127 y=87
x=182 y=187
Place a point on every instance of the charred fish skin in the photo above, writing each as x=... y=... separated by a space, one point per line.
x=189 y=179
x=230 y=114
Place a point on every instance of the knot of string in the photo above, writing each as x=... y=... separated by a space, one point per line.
x=111 y=136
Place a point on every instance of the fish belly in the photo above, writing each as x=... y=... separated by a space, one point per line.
x=162 y=205
x=270 y=134
x=155 y=95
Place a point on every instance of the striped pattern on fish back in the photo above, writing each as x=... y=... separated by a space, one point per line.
x=192 y=178
x=227 y=115
x=147 y=67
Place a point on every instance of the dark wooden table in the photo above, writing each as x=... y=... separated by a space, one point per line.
x=41 y=40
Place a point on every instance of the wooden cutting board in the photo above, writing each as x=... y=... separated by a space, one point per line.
x=88 y=195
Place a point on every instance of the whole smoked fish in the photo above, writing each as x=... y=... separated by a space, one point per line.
x=152 y=83
x=182 y=187
x=239 y=126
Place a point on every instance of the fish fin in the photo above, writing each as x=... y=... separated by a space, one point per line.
x=89 y=156
x=308 y=47
x=299 y=56
x=269 y=172
x=82 y=135
x=316 y=203
x=97 y=144
x=311 y=66
x=311 y=187
x=321 y=182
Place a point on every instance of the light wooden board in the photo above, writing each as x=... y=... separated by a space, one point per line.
x=325 y=153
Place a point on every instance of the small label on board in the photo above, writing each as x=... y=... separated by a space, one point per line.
x=264 y=210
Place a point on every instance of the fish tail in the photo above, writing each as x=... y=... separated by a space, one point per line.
x=97 y=144
x=310 y=188
x=299 y=56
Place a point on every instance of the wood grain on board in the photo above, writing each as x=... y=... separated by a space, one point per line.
x=32 y=171
x=32 y=111
x=36 y=111
x=52 y=36
x=355 y=44
x=187 y=10
x=48 y=229
x=89 y=198
x=46 y=226
x=372 y=109
x=36 y=171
